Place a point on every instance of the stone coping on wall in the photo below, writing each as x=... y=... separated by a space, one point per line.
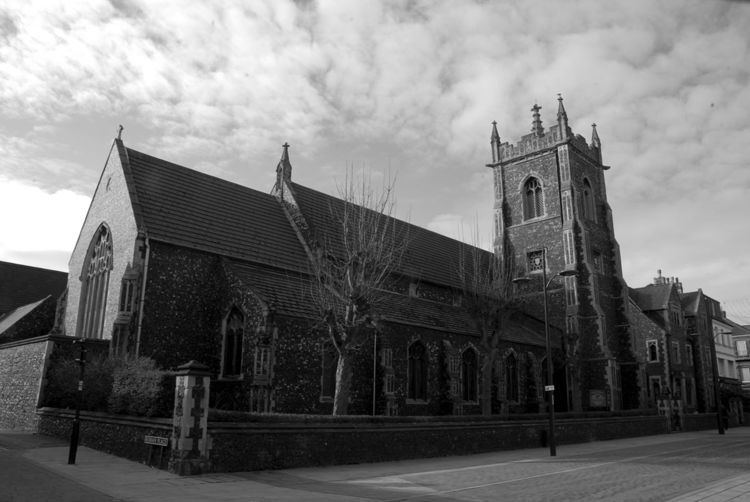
x=282 y=442
x=220 y=416
x=103 y=417
x=36 y=339
x=46 y=338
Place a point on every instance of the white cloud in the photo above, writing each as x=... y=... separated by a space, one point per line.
x=220 y=85
x=36 y=222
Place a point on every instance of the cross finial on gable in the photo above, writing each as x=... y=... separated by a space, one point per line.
x=283 y=170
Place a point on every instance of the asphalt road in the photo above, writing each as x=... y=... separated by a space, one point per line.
x=678 y=467
x=655 y=468
x=22 y=480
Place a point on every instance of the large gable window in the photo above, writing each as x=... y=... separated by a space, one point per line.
x=417 y=371
x=95 y=284
x=533 y=199
x=234 y=328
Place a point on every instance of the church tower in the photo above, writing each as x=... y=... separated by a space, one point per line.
x=551 y=211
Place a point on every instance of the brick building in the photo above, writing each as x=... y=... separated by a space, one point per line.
x=680 y=354
x=551 y=201
x=178 y=265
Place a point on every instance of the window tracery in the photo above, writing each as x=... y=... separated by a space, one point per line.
x=533 y=199
x=95 y=286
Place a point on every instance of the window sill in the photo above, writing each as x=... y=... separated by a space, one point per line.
x=416 y=401
x=230 y=378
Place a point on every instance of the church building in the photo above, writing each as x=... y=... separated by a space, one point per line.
x=178 y=265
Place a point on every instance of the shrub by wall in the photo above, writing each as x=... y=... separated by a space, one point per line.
x=62 y=383
x=139 y=388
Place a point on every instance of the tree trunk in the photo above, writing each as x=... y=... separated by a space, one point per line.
x=486 y=391
x=343 y=383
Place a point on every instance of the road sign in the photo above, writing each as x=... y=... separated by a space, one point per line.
x=156 y=441
x=549 y=388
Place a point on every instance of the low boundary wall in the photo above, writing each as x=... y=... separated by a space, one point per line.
x=283 y=442
x=699 y=421
x=116 y=434
x=22 y=367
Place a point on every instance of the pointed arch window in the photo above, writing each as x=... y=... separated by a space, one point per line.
x=469 y=375
x=417 y=371
x=330 y=360
x=95 y=285
x=511 y=378
x=533 y=199
x=234 y=329
x=588 y=201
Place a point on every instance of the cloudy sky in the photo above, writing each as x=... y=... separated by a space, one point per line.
x=405 y=87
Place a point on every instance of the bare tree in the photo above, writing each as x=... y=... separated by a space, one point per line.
x=353 y=263
x=489 y=299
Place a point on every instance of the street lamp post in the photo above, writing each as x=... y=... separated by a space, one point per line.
x=549 y=386
x=73 y=449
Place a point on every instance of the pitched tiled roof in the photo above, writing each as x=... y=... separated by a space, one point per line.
x=21 y=285
x=690 y=302
x=188 y=208
x=9 y=319
x=652 y=297
x=288 y=292
x=429 y=257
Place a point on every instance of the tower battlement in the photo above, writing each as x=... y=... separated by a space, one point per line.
x=531 y=143
x=540 y=139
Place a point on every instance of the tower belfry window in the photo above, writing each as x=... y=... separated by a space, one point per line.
x=588 y=201
x=533 y=199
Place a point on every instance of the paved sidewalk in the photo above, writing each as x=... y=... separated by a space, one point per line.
x=387 y=481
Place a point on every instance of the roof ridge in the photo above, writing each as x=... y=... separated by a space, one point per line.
x=2 y=262
x=414 y=225
x=221 y=181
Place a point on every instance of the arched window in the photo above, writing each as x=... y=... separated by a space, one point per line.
x=234 y=328
x=95 y=284
x=417 y=371
x=511 y=378
x=588 y=201
x=330 y=361
x=469 y=375
x=533 y=199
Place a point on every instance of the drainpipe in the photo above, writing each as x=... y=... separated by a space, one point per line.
x=143 y=296
x=668 y=368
